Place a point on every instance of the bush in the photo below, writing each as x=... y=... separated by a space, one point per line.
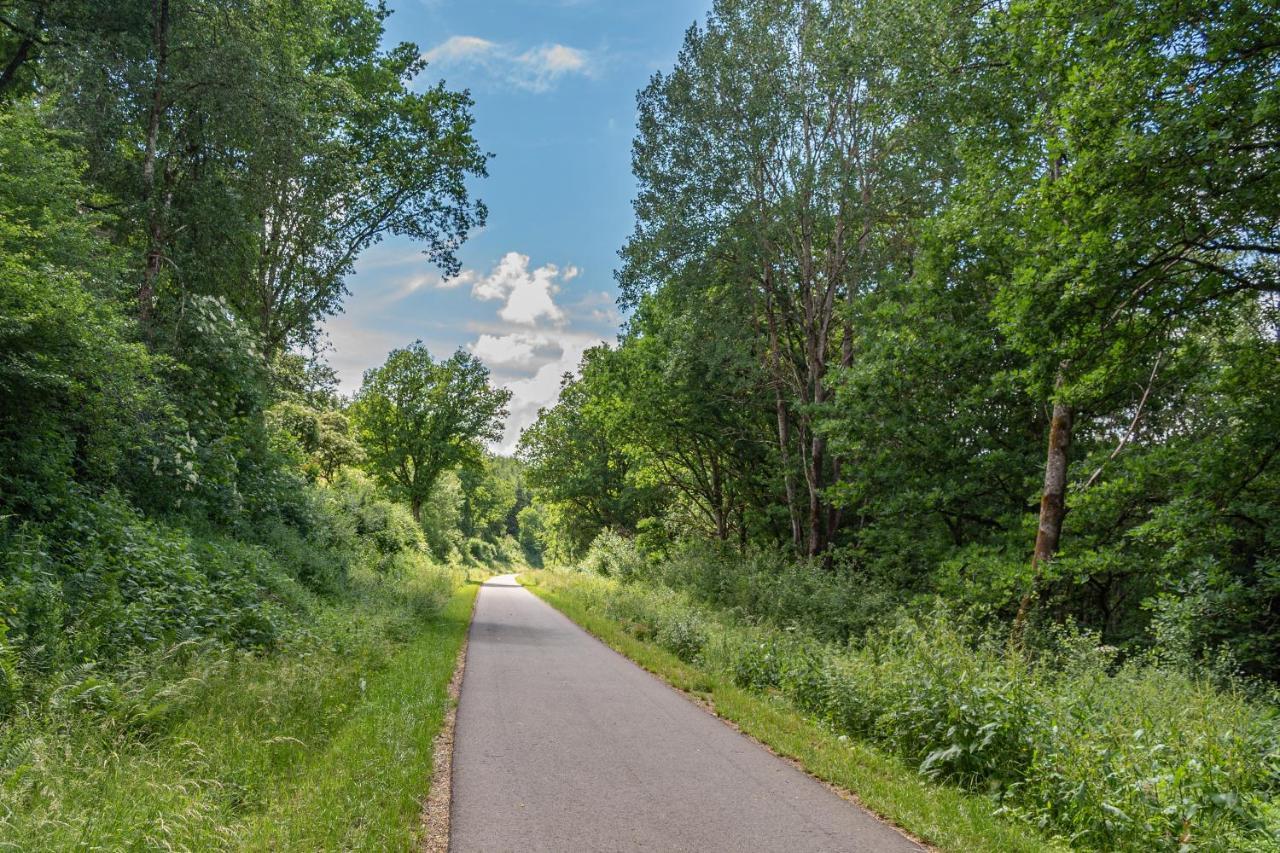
x=1136 y=757
x=382 y=525
x=771 y=586
x=102 y=582
x=683 y=634
x=613 y=555
x=479 y=551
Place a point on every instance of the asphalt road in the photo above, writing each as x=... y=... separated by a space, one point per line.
x=564 y=745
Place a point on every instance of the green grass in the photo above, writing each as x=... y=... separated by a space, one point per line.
x=324 y=745
x=944 y=816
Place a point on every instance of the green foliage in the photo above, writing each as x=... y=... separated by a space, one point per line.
x=197 y=746
x=1133 y=757
x=581 y=473
x=101 y=581
x=492 y=496
x=384 y=526
x=531 y=524
x=878 y=245
x=613 y=555
x=73 y=378
x=319 y=441
x=418 y=418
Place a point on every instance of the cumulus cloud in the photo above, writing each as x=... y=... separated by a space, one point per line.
x=527 y=295
x=514 y=350
x=530 y=393
x=536 y=69
x=527 y=324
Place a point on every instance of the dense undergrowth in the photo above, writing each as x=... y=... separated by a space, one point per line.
x=268 y=684
x=205 y=732
x=1143 y=753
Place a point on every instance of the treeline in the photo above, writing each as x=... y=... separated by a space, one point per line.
x=969 y=300
x=185 y=186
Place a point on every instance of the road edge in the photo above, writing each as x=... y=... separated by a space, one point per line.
x=709 y=708
x=439 y=803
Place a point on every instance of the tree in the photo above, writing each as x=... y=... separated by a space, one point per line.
x=418 y=418
x=263 y=201
x=793 y=146
x=75 y=384
x=488 y=496
x=1131 y=205
x=692 y=407
x=581 y=472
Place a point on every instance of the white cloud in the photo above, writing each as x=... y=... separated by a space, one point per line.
x=464 y=277
x=531 y=393
x=418 y=281
x=529 y=295
x=536 y=69
x=460 y=49
x=516 y=349
x=528 y=341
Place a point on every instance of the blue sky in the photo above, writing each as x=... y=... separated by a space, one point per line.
x=554 y=83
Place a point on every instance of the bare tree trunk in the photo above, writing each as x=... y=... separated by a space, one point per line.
x=780 y=408
x=1053 y=504
x=817 y=538
x=155 y=225
x=722 y=510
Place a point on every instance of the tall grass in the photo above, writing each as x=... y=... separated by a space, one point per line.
x=323 y=744
x=1104 y=756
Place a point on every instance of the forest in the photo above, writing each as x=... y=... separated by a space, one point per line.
x=944 y=414
x=206 y=553
x=946 y=404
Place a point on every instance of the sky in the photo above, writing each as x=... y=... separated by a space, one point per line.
x=554 y=83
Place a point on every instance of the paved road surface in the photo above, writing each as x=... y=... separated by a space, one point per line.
x=563 y=745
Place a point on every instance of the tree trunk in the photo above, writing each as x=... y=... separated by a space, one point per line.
x=780 y=409
x=22 y=54
x=155 y=226
x=1053 y=504
x=722 y=508
x=415 y=506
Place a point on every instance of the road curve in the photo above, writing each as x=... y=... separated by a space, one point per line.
x=564 y=745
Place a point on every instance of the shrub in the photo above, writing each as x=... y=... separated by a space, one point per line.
x=758 y=664
x=613 y=555
x=102 y=582
x=383 y=525
x=682 y=634
x=1136 y=757
x=771 y=586
x=479 y=551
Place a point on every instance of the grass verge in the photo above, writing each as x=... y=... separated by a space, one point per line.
x=324 y=745
x=945 y=817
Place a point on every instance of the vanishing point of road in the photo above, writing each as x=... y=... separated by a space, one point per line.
x=563 y=745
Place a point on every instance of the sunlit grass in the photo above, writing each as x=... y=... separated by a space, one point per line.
x=944 y=816
x=323 y=745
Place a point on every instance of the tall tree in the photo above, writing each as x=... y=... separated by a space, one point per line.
x=418 y=418
x=576 y=466
x=781 y=146
x=266 y=202
x=1131 y=203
